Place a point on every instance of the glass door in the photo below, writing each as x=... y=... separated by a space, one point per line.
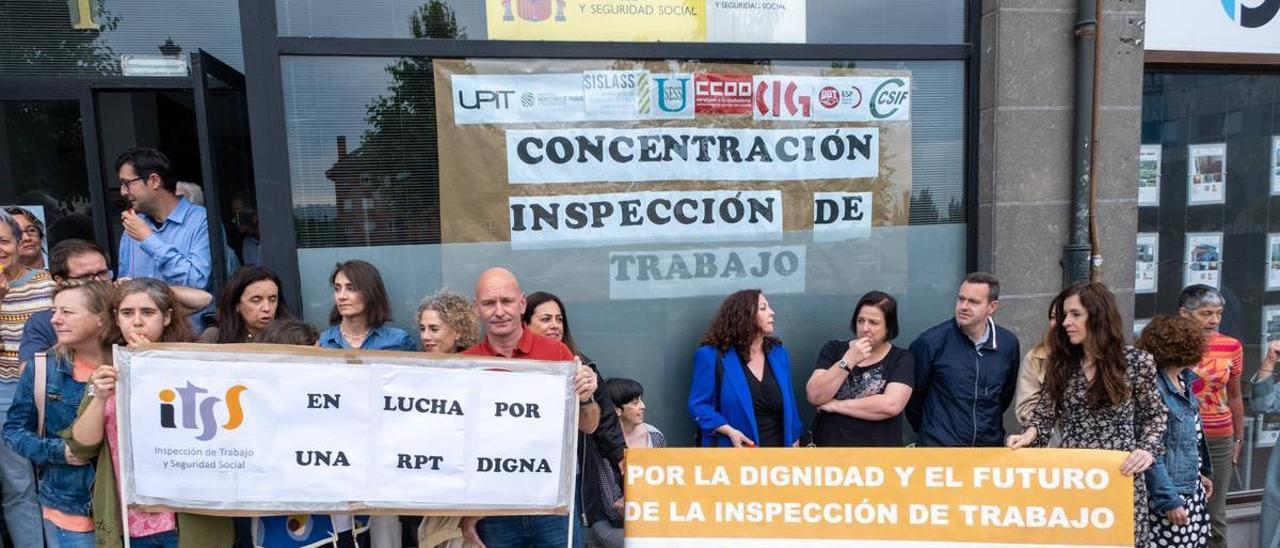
x=222 y=126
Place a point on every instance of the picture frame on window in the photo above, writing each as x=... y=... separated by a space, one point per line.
x=1206 y=173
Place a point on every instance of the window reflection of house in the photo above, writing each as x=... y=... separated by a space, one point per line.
x=381 y=204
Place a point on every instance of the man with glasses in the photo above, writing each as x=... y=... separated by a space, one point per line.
x=165 y=236
x=74 y=262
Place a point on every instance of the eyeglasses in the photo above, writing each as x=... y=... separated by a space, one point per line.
x=99 y=276
x=127 y=182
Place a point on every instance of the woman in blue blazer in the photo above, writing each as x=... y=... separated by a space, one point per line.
x=741 y=392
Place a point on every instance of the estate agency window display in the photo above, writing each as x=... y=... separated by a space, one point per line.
x=1209 y=213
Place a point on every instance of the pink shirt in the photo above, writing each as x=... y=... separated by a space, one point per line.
x=141 y=524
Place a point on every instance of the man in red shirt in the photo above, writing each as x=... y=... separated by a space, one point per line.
x=500 y=304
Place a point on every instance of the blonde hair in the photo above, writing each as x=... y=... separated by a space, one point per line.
x=457 y=311
x=98 y=298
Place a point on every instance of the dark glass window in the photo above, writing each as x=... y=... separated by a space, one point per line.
x=43 y=37
x=42 y=166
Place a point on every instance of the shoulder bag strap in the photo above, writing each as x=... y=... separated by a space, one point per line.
x=40 y=378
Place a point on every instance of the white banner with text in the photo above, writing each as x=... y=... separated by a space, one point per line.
x=245 y=428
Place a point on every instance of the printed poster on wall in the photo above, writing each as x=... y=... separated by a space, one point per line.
x=1148 y=258
x=1275 y=164
x=1273 y=262
x=1203 y=258
x=1270 y=327
x=774 y=21
x=576 y=165
x=1206 y=173
x=1149 y=175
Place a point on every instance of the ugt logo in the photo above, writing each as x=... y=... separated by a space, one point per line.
x=532 y=10
x=1252 y=18
x=193 y=402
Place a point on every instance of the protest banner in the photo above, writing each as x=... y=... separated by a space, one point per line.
x=877 y=497
x=567 y=165
x=268 y=429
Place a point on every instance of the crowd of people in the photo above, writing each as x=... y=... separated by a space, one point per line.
x=1172 y=401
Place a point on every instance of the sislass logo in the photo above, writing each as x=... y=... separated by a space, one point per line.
x=1251 y=17
x=197 y=410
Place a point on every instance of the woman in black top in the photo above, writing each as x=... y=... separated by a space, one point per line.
x=860 y=386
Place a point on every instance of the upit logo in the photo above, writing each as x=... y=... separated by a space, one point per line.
x=197 y=409
x=1251 y=17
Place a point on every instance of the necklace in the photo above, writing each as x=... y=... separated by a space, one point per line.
x=351 y=338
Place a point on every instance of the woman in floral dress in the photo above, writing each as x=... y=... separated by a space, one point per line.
x=1100 y=393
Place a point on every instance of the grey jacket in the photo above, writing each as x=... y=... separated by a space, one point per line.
x=1266 y=399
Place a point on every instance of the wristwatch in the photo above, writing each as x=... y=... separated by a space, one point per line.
x=842 y=364
x=589 y=400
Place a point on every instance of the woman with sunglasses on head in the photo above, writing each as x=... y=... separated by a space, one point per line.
x=144 y=311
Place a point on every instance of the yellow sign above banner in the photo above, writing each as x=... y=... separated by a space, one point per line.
x=587 y=20
x=877 y=497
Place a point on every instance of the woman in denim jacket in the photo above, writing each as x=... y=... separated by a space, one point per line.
x=65 y=486
x=1179 y=479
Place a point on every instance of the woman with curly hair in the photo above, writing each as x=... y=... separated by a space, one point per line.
x=1101 y=393
x=447 y=322
x=1179 y=479
x=741 y=392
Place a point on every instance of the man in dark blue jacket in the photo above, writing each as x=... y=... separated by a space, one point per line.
x=966 y=372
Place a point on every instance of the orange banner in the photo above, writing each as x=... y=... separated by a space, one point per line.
x=877 y=497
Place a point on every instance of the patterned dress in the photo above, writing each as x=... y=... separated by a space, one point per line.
x=1138 y=423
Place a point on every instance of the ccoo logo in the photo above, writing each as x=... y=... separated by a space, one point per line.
x=197 y=409
x=1251 y=17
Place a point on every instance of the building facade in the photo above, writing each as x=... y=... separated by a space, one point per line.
x=644 y=159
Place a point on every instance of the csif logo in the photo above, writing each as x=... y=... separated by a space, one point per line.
x=197 y=409
x=1251 y=17
x=532 y=11
x=888 y=98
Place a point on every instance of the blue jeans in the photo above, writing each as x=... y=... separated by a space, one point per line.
x=534 y=531
x=167 y=539
x=18 y=485
x=67 y=539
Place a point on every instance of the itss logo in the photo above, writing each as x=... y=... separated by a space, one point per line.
x=1251 y=17
x=197 y=409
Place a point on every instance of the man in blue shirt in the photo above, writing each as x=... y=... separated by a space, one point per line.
x=966 y=372
x=165 y=236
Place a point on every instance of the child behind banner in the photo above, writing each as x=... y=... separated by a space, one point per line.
x=303 y=530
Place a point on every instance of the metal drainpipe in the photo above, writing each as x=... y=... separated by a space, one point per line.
x=1076 y=254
